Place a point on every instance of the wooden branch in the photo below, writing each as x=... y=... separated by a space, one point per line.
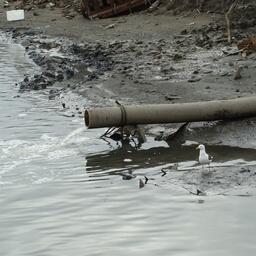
x=228 y=15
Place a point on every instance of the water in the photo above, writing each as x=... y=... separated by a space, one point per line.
x=62 y=192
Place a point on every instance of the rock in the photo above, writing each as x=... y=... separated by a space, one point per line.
x=194 y=79
x=50 y=5
x=69 y=17
x=48 y=74
x=224 y=73
x=69 y=73
x=154 y=6
x=172 y=97
x=43 y=85
x=6 y=4
x=60 y=77
x=177 y=57
x=184 y=32
x=196 y=72
x=28 y=8
x=238 y=74
x=92 y=76
x=35 y=87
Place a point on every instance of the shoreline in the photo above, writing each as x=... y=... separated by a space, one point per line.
x=184 y=62
x=191 y=64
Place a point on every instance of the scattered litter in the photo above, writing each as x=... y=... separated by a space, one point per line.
x=197 y=193
x=200 y=193
x=175 y=167
x=230 y=52
x=110 y=26
x=22 y=115
x=191 y=24
x=172 y=97
x=15 y=15
x=154 y=6
x=247 y=46
x=127 y=160
x=128 y=175
x=164 y=172
x=50 y=5
x=6 y=4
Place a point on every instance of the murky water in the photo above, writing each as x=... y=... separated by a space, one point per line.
x=62 y=192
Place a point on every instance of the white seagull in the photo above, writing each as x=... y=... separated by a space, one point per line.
x=204 y=158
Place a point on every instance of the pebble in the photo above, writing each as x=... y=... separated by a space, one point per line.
x=194 y=79
x=238 y=74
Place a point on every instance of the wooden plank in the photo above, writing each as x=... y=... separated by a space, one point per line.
x=106 y=12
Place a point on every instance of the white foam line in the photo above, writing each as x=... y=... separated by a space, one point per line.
x=73 y=134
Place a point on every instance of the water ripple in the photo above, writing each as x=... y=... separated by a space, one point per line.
x=63 y=192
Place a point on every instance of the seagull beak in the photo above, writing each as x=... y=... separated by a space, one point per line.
x=197 y=147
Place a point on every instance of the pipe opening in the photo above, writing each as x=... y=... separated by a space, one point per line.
x=86 y=118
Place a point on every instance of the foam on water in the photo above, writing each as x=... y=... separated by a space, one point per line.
x=71 y=137
x=17 y=154
x=38 y=142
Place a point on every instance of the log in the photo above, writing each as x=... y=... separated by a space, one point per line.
x=170 y=113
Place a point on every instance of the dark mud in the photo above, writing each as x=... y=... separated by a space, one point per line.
x=189 y=57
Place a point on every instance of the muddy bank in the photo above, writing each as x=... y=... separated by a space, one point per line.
x=189 y=66
x=192 y=64
x=136 y=71
x=169 y=58
x=154 y=63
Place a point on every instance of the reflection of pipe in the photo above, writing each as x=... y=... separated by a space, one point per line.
x=113 y=161
x=170 y=113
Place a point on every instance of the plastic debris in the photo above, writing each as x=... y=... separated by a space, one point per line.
x=15 y=15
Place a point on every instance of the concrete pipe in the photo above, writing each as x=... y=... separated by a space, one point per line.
x=170 y=113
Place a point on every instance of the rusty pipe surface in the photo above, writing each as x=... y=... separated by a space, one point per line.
x=170 y=113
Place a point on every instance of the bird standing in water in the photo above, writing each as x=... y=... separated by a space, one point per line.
x=204 y=158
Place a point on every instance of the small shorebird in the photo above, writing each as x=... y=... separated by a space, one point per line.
x=204 y=158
